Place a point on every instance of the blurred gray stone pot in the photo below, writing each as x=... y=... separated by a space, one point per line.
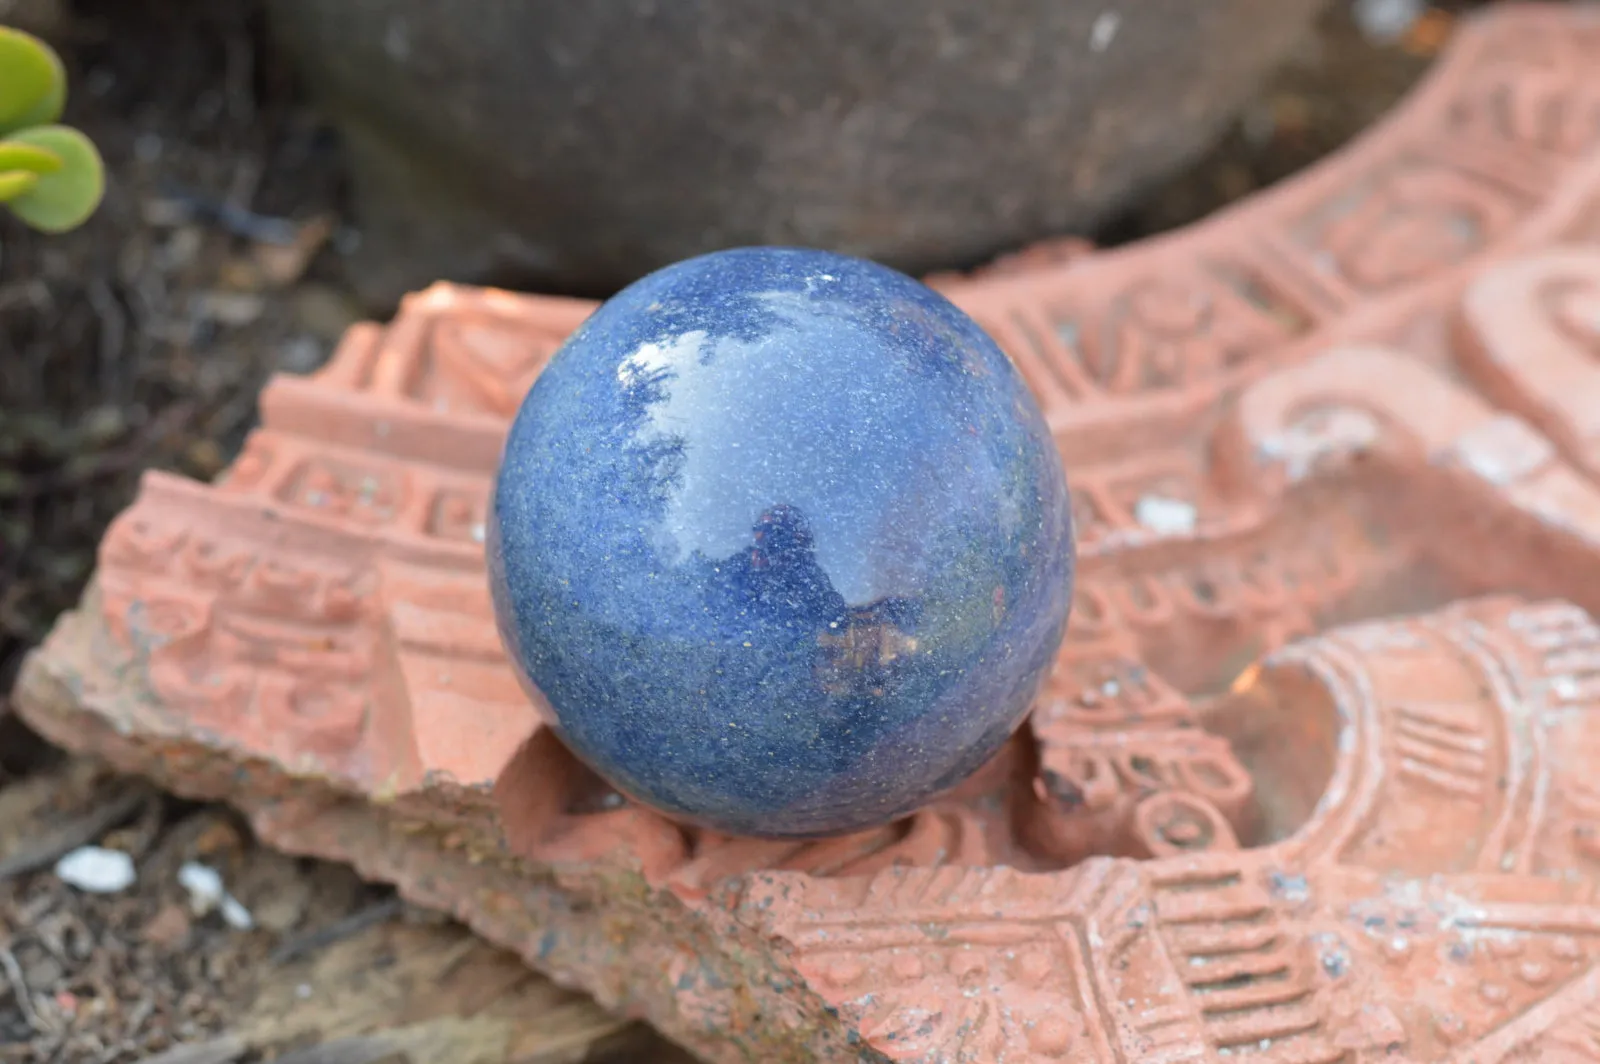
x=574 y=145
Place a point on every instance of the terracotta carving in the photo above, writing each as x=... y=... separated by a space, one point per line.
x=1312 y=779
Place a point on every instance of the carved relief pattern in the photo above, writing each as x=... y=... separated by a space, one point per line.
x=1309 y=781
x=237 y=638
x=1307 y=948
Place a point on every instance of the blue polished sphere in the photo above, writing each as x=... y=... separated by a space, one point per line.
x=783 y=540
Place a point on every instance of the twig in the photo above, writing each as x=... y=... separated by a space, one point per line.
x=356 y=1049
x=19 y=989
x=147 y=827
x=136 y=453
x=224 y=1050
x=34 y=294
x=227 y=215
x=242 y=190
x=240 y=72
x=75 y=833
x=301 y=945
x=113 y=333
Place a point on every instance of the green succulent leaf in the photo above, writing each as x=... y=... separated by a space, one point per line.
x=64 y=199
x=30 y=158
x=15 y=184
x=33 y=83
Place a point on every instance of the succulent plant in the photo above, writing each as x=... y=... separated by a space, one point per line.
x=51 y=175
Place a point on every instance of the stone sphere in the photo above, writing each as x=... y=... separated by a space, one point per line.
x=783 y=541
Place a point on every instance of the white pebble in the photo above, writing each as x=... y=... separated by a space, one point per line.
x=97 y=870
x=236 y=915
x=1386 y=21
x=203 y=884
x=1168 y=517
x=1104 y=29
x=206 y=894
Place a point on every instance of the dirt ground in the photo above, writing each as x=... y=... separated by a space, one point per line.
x=141 y=341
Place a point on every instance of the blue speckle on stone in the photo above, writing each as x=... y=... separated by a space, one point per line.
x=782 y=538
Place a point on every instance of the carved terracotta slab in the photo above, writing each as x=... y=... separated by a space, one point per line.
x=1314 y=780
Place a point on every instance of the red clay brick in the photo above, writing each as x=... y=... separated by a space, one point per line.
x=1313 y=779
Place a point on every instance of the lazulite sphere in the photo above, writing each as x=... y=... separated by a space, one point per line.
x=784 y=542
